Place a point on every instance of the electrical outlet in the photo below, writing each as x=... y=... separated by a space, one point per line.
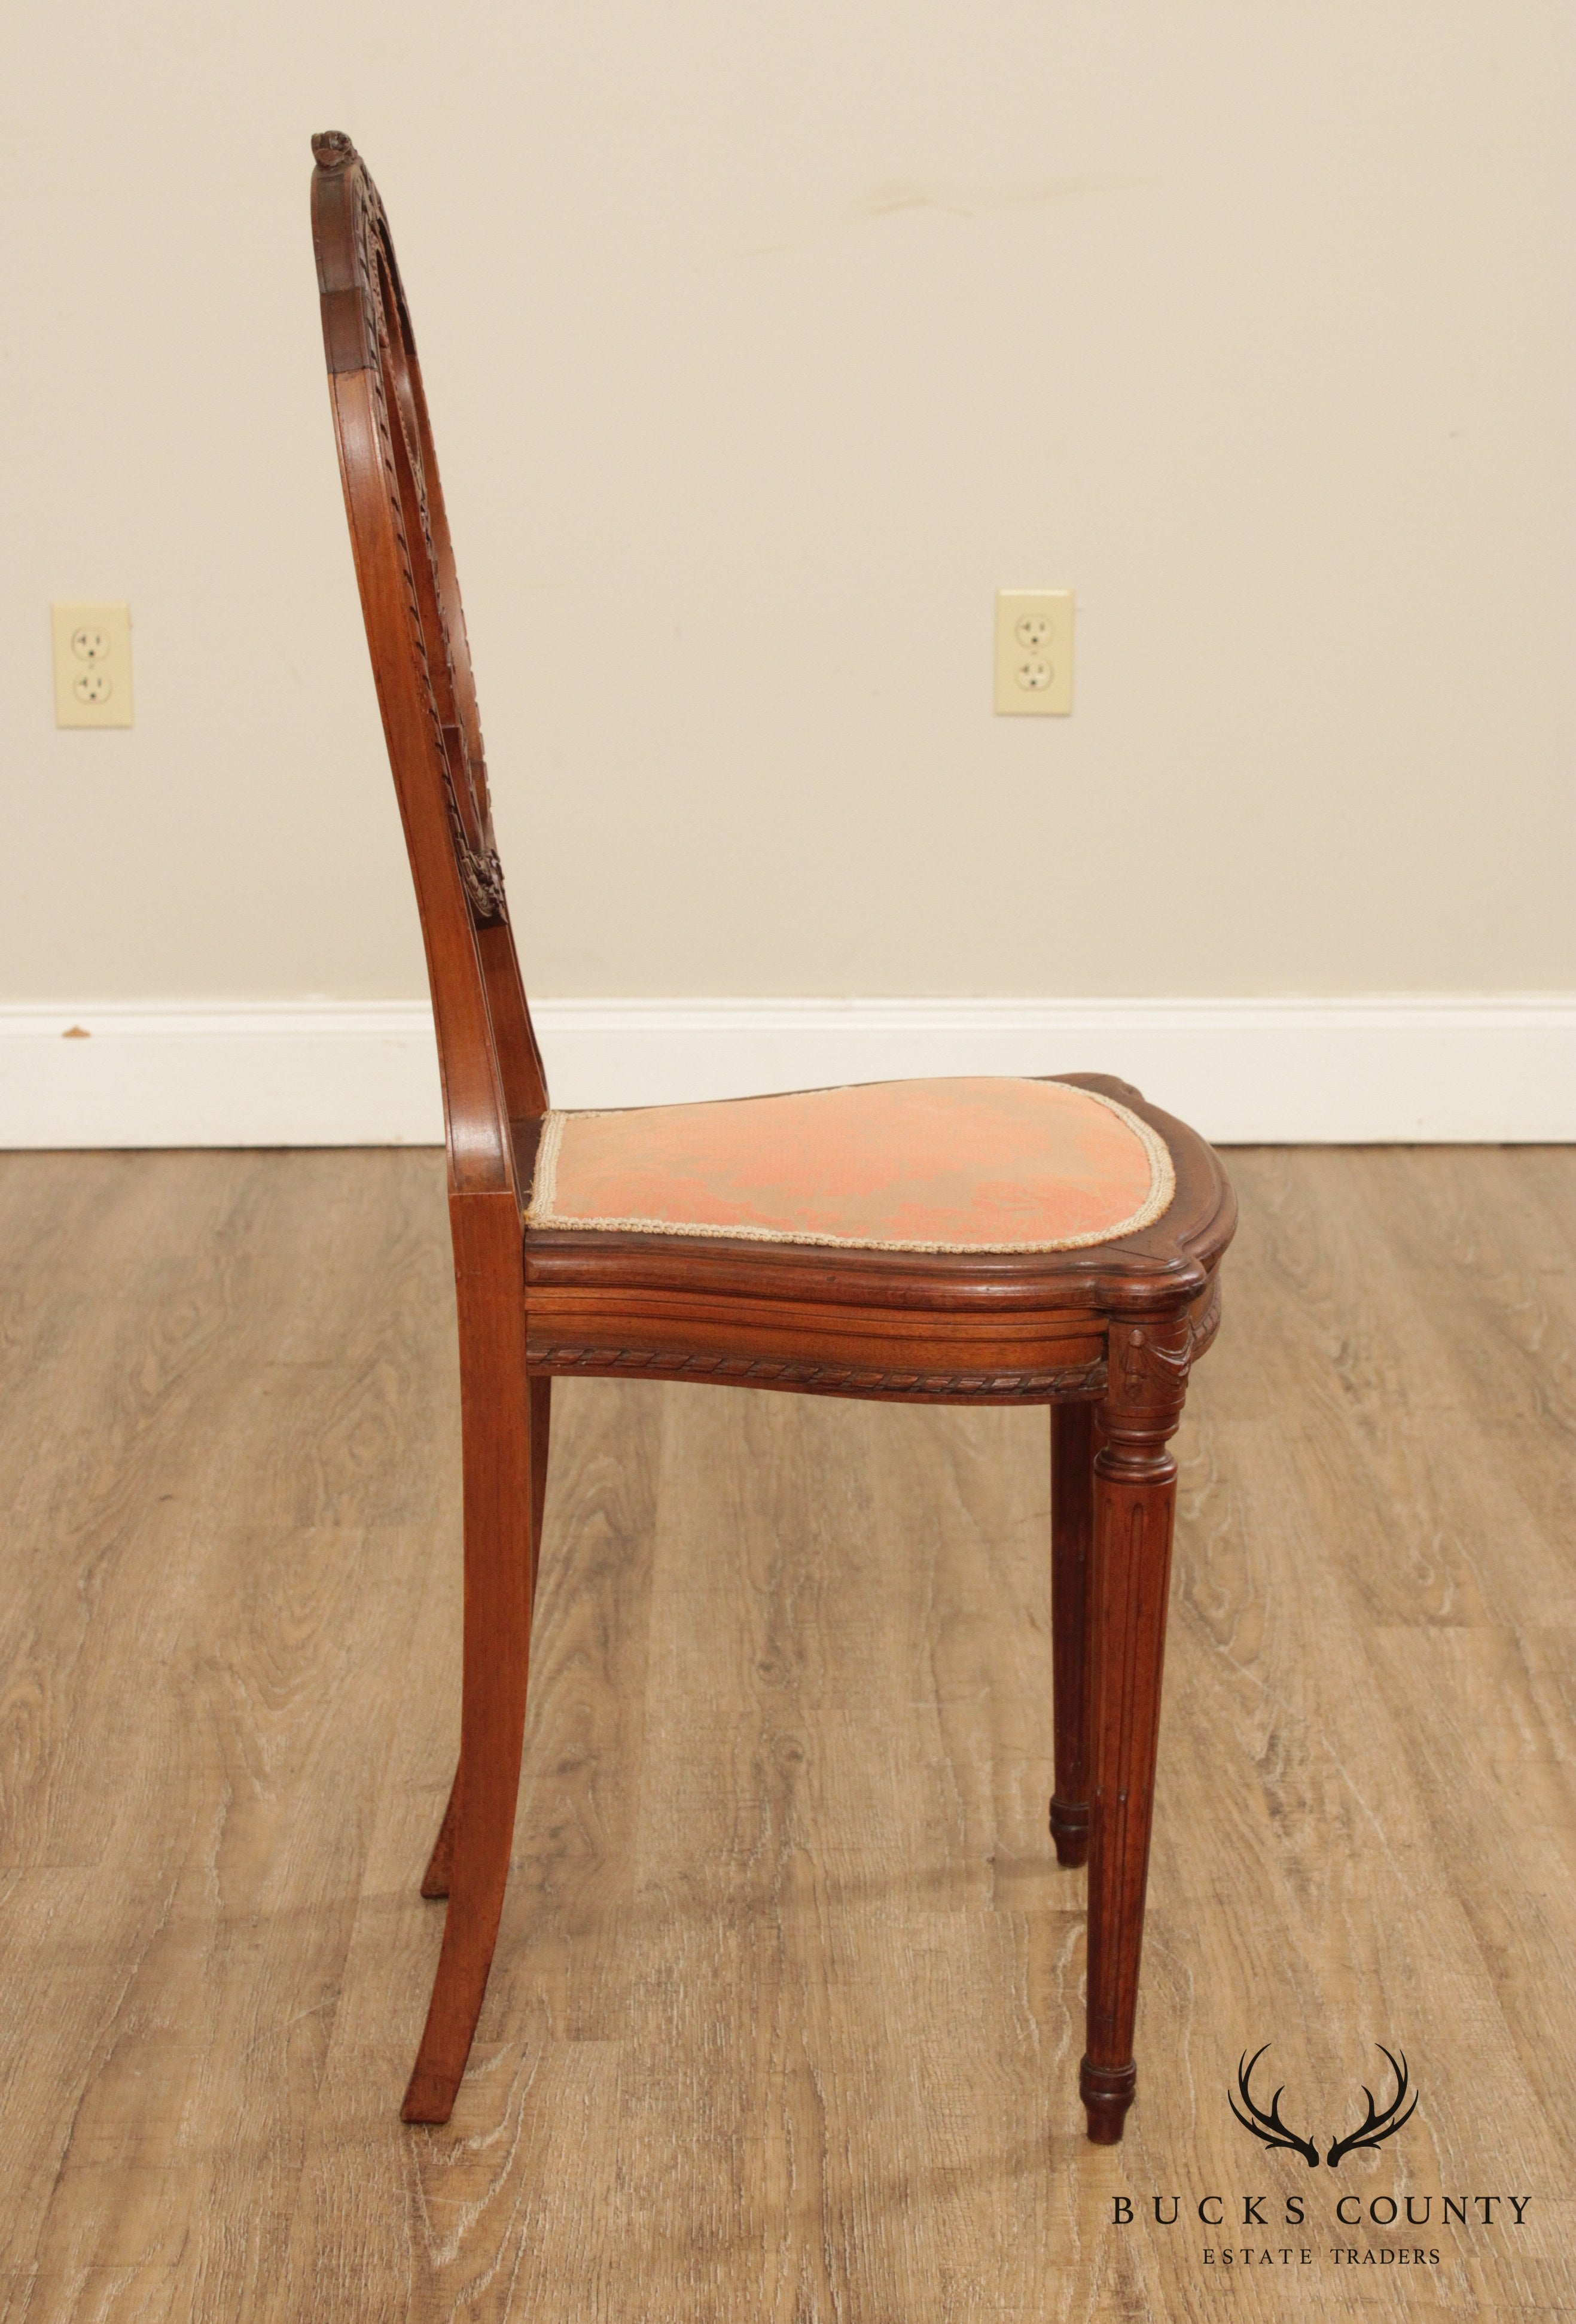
x=93 y=665
x=1034 y=652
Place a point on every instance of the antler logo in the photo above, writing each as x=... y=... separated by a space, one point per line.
x=1379 y=2125
x=1269 y=2127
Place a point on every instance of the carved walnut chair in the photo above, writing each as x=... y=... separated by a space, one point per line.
x=965 y=1242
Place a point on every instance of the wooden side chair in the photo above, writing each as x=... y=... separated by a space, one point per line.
x=969 y=1241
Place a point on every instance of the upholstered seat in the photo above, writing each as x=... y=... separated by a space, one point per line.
x=974 y=1164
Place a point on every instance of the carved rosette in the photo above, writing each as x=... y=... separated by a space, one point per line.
x=482 y=875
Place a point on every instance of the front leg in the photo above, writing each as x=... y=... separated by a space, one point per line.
x=1135 y=1498
x=1071 y=1532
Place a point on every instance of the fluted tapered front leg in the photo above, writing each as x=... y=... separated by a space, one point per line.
x=1072 y=1541
x=1135 y=1495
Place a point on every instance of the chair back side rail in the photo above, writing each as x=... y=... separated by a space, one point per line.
x=490 y=1066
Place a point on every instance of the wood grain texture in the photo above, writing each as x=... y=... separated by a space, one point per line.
x=788 y=1996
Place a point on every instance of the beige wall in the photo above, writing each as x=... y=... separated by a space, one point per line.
x=763 y=344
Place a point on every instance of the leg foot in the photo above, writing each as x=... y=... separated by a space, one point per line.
x=1069 y=1830
x=429 y=2098
x=1107 y=2092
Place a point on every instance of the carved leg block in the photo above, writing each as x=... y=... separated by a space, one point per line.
x=1135 y=1494
x=1071 y=1531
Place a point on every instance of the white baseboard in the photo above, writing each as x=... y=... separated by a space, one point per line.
x=1408 y=1068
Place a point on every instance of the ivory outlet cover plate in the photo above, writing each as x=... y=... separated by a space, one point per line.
x=93 y=664
x=1034 y=653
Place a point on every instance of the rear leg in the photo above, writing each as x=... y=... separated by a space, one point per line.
x=435 y=1880
x=495 y=1407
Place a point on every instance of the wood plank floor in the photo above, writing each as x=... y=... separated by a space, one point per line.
x=786 y=2018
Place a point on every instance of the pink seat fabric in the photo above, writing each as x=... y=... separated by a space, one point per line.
x=976 y=1165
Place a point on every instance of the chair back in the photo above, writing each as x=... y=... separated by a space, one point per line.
x=495 y=1090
